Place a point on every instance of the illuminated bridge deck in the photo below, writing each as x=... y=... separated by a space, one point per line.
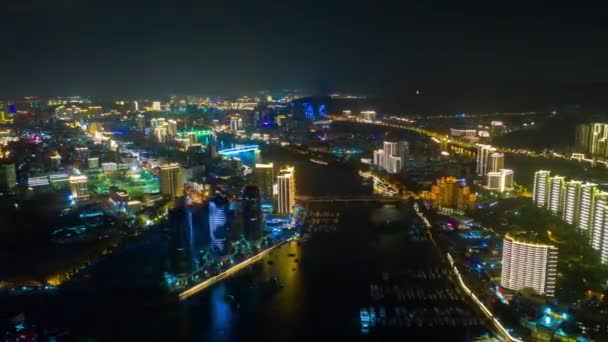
x=239 y=149
x=346 y=199
x=229 y=272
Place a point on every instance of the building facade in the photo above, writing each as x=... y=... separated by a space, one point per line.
x=541 y=188
x=500 y=181
x=483 y=154
x=264 y=179
x=496 y=162
x=572 y=201
x=599 y=232
x=527 y=264
x=79 y=187
x=286 y=191
x=8 y=178
x=171 y=180
x=555 y=201
x=392 y=157
x=585 y=212
x=218 y=224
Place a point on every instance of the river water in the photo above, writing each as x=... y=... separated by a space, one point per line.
x=325 y=281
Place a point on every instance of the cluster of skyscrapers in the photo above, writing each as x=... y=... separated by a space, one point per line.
x=581 y=204
x=592 y=138
x=284 y=197
x=491 y=164
x=163 y=129
x=392 y=157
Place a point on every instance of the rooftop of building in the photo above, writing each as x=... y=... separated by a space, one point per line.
x=530 y=237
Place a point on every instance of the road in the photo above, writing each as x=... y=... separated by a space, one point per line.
x=229 y=272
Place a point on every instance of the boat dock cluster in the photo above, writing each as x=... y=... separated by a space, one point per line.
x=403 y=295
x=322 y=221
x=417 y=235
x=404 y=317
x=417 y=298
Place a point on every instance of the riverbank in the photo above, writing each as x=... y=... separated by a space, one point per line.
x=500 y=328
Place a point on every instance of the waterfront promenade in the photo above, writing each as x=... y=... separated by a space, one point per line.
x=231 y=271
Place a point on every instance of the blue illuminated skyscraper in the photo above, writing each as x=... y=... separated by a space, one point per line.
x=218 y=223
x=322 y=111
x=309 y=111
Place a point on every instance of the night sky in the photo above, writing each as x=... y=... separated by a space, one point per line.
x=150 y=48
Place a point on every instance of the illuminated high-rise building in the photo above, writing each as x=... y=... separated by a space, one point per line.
x=379 y=158
x=287 y=191
x=391 y=158
x=393 y=164
x=541 y=190
x=572 y=201
x=183 y=142
x=93 y=163
x=483 y=154
x=172 y=128
x=496 y=162
x=8 y=178
x=264 y=179
x=596 y=138
x=556 y=194
x=599 y=231
x=493 y=181
x=368 y=115
x=593 y=138
x=501 y=180
x=55 y=160
x=94 y=111
x=506 y=179
x=81 y=153
x=528 y=264
x=236 y=123
x=156 y=106
x=496 y=128
x=171 y=180
x=391 y=148
x=585 y=212
x=3 y=116
x=191 y=136
x=218 y=223
x=449 y=193
x=404 y=154
x=187 y=236
x=140 y=122
x=160 y=132
x=79 y=187
x=156 y=122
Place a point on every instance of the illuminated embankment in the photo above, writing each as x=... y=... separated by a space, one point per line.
x=500 y=329
x=229 y=272
x=239 y=149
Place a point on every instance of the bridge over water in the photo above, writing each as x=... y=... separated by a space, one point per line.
x=346 y=199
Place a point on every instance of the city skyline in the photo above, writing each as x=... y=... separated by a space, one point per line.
x=342 y=170
x=442 y=52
